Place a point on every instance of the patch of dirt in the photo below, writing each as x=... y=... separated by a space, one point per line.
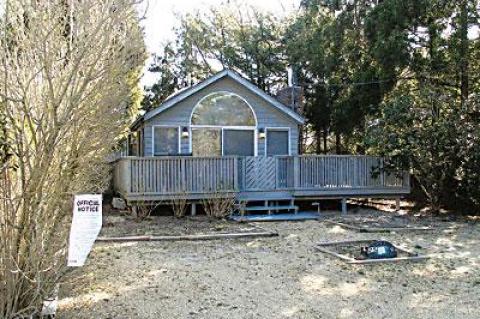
x=281 y=277
x=370 y=218
x=121 y=225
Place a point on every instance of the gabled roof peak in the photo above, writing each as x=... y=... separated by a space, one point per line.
x=185 y=93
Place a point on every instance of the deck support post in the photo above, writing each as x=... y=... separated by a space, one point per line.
x=193 y=209
x=128 y=177
x=344 y=206
x=397 y=204
x=266 y=205
x=296 y=172
x=318 y=206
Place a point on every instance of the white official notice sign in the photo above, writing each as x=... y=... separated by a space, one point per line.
x=86 y=224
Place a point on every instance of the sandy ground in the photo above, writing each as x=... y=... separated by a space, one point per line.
x=279 y=277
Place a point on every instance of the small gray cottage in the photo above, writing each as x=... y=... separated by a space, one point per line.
x=221 y=116
x=225 y=135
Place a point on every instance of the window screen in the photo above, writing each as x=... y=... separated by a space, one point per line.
x=206 y=142
x=277 y=142
x=238 y=142
x=165 y=140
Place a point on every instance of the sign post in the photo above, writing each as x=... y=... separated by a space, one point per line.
x=86 y=224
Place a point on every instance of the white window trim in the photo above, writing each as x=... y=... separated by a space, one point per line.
x=179 y=138
x=243 y=128
x=221 y=129
x=283 y=129
x=227 y=92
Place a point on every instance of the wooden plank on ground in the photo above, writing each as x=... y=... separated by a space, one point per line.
x=377 y=229
x=188 y=237
x=389 y=260
x=412 y=256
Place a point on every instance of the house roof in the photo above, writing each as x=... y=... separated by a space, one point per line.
x=183 y=94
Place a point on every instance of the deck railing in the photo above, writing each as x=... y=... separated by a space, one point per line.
x=347 y=172
x=202 y=175
x=176 y=175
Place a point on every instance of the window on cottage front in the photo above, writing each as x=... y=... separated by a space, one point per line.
x=223 y=124
x=277 y=142
x=223 y=109
x=238 y=142
x=166 y=140
x=206 y=142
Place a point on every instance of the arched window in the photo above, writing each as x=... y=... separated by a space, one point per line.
x=223 y=123
x=223 y=109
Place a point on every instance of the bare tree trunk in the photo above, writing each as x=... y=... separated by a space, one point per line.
x=338 y=143
x=318 y=140
x=325 y=137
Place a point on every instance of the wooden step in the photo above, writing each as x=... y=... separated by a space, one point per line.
x=279 y=207
x=270 y=209
x=276 y=218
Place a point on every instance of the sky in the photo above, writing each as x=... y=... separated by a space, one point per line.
x=161 y=16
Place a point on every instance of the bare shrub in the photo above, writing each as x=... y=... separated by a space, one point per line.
x=179 y=205
x=66 y=74
x=219 y=205
x=144 y=209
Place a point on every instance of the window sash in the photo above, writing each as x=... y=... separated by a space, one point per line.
x=245 y=147
x=216 y=145
x=166 y=140
x=277 y=142
x=206 y=142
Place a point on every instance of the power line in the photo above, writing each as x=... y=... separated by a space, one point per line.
x=391 y=80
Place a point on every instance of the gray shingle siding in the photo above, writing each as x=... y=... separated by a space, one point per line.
x=179 y=115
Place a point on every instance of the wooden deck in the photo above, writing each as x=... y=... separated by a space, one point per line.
x=256 y=178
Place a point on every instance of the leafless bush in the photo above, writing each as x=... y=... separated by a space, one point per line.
x=144 y=209
x=179 y=205
x=219 y=205
x=66 y=75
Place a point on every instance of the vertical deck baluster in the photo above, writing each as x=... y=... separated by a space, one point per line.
x=176 y=170
x=157 y=177
x=151 y=175
x=170 y=176
x=137 y=177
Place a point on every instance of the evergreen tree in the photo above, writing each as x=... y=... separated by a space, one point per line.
x=393 y=78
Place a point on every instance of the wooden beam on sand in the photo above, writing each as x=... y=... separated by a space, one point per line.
x=388 y=260
x=327 y=251
x=322 y=247
x=187 y=237
x=377 y=229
